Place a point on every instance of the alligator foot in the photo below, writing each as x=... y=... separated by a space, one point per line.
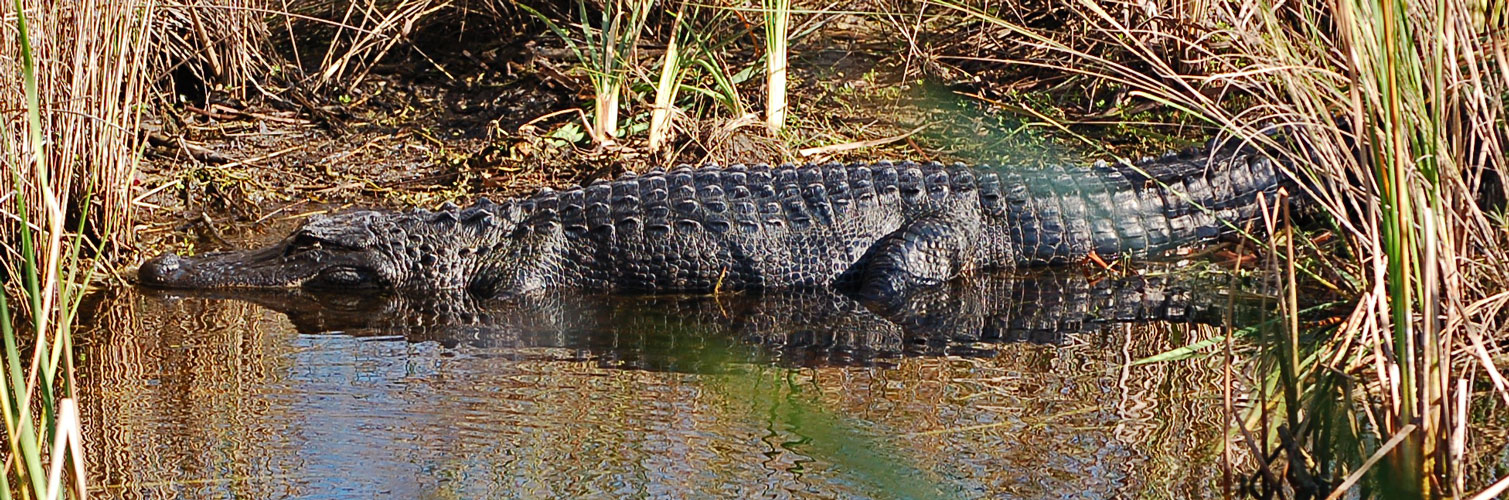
x=922 y=254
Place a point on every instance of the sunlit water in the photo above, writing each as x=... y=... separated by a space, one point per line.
x=729 y=397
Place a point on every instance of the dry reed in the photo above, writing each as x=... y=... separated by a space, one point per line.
x=1393 y=113
x=82 y=81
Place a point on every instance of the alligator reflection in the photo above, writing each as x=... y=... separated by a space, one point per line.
x=803 y=327
x=441 y=397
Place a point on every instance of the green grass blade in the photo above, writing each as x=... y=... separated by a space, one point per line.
x=25 y=435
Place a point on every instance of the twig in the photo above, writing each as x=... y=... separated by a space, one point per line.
x=324 y=117
x=268 y=156
x=849 y=146
x=313 y=213
x=1257 y=454
x=1378 y=455
x=550 y=115
x=918 y=149
x=216 y=111
x=276 y=212
x=1227 y=406
x=339 y=187
x=207 y=113
x=138 y=200
x=1493 y=491
x=1459 y=433
x=210 y=225
x=343 y=154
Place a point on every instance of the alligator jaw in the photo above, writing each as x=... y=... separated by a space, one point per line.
x=262 y=268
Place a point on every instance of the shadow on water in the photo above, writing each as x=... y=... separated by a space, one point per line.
x=1020 y=386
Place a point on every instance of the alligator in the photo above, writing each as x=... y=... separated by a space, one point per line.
x=876 y=229
x=802 y=327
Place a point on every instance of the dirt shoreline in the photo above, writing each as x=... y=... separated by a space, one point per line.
x=228 y=172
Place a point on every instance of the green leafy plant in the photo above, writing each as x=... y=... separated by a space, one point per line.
x=605 y=48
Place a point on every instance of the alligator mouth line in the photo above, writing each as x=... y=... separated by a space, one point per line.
x=261 y=268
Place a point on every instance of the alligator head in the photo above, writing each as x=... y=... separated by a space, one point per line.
x=351 y=251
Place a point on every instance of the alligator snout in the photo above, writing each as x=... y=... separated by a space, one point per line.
x=213 y=270
x=261 y=268
x=164 y=270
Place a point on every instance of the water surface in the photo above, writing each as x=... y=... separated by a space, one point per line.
x=1000 y=387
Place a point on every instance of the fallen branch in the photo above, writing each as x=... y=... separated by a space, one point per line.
x=222 y=112
x=194 y=151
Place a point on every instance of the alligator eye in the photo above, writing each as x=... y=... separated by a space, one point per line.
x=343 y=277
x=300 y=244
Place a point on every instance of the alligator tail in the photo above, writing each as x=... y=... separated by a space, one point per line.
x=1147 y=209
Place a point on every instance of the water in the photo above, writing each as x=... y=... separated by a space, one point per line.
x=1007 y=386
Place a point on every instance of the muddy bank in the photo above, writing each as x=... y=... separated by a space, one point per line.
x=504 y=117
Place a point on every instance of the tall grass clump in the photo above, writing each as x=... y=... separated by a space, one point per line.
x=364 y=34
x=605 y=44
x=79 y=74
x=1425 y=93
x=694 y=66
x=777 y=14
x=219 y=44
x=1392 y=113
x=93 y=68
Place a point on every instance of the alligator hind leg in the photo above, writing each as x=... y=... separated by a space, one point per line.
x=925 y=253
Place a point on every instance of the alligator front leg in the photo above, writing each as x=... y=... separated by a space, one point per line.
x=924 y=253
